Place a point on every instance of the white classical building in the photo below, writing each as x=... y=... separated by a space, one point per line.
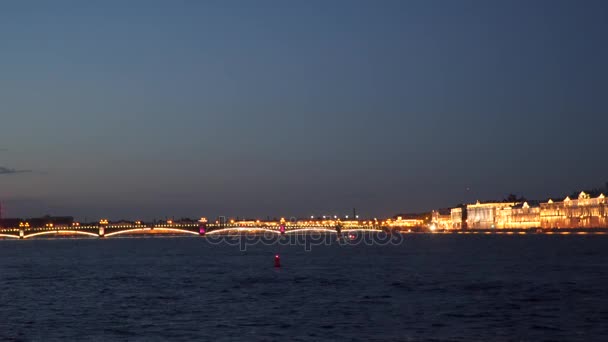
x=584 y=212
x=484 y=215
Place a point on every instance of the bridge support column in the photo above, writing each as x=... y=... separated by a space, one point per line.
x=202 y=228
x=103 y=223
x=21 y=233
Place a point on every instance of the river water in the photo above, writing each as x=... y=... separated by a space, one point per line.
x=428 y=287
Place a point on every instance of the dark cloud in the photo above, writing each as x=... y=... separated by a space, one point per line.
x=7 y=171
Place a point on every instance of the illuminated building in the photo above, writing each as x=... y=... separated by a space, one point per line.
x=519 y=216
x=459 y=218
x=400 y=222
x=484 y=215
x=584 y=212
x=442 y=218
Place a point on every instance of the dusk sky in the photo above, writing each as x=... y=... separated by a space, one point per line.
x=147 y=109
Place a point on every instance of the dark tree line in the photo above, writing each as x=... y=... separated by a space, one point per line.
x=515 y=198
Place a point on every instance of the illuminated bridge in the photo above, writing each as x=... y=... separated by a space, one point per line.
x=106 y=229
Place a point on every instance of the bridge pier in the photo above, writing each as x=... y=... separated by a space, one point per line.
x=102 y=227
x=202 y=228
x=22 y=226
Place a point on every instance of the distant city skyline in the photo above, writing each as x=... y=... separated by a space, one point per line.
x=153 y=108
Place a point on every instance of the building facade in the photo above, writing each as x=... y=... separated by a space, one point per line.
x=584 y=212
x=441 y=219
x=580 y=213
x=485 y=215
x=519 y=216
x=459 y=218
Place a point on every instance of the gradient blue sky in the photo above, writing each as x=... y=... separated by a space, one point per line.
x=143 y=109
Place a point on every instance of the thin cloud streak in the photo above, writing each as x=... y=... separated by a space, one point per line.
x=7 y=171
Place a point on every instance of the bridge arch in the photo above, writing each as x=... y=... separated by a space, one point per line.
x=151 y=231
x=362 y=230
x=9 y=236
x=316 y=230
x=176 y=230
x=242 y=229
x=126 y=231
x=61 y=231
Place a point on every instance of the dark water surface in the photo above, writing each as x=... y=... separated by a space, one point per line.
x=431 y=287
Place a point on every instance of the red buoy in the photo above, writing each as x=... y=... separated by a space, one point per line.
x=277 y=261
